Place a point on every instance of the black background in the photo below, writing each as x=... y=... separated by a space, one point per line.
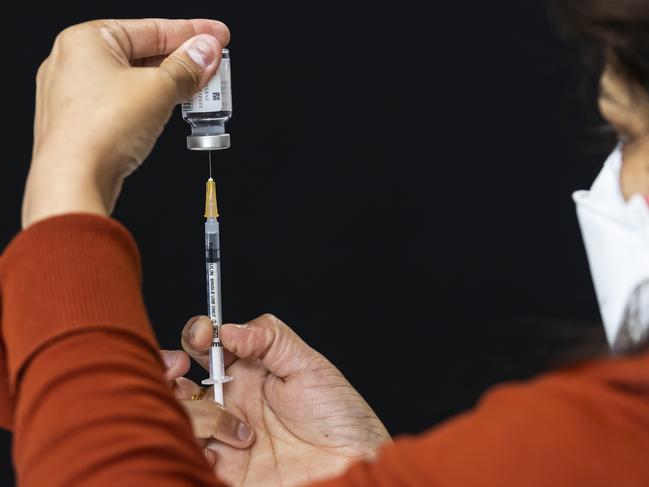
x=398 y=188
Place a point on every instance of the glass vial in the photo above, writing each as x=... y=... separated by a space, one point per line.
x=209 y=109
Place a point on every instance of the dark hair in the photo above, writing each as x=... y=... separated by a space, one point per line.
x=615 y=32
x=618 y=30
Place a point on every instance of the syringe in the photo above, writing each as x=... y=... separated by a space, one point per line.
x=213 y=272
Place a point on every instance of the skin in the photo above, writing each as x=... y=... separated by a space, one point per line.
x=125 y=77
x=309 y=422
x=626 y=108
x=103 y=97
x=209 y=420
x=291 y=415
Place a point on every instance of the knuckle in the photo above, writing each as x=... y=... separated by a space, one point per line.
x=67 y=35
x=179 y=78
x=64 y=34
x=273 y=323
x=216 y=418
x=42 y=70
x=107 y=23
x=115 y=34
x=271 y=319
x=111 y=25
x=191 y=77
x=249 y=345
x=161 y=36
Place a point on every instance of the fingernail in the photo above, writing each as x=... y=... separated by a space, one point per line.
x=242 y=326
x=168 y=357
x=193 y=329
x=243 y=432
x=202 y=50
x=210 y=456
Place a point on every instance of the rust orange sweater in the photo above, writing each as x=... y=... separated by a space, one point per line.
x=81 y=383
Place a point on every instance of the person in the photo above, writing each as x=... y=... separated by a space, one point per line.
x=90 y=402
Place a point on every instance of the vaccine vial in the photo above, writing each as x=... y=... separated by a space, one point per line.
x=208 y=110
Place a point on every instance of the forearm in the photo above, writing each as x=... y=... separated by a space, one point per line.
x=6 y=400
x=93 y=410
x=91 y=404
x=554 y=430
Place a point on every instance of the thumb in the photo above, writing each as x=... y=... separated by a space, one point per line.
x=193 y=64
x=278 y=347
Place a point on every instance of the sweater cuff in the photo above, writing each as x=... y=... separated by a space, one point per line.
x=68 y=274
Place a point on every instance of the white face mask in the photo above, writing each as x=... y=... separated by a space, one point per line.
x=616 y=237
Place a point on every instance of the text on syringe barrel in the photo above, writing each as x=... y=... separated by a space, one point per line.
x=212 y=271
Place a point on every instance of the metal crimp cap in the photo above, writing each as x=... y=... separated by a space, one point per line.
x=208 y=142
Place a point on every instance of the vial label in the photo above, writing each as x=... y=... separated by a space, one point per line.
x=215 y=96
x=226 y=85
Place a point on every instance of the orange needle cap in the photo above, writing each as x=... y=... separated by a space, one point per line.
x=211 y=210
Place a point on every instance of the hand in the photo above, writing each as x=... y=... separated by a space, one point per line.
x=309 y=422
x=209 y=419
x=103 y=97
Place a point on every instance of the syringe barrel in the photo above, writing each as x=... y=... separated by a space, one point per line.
x=213 y=272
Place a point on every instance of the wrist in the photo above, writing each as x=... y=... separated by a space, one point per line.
x=56 y=190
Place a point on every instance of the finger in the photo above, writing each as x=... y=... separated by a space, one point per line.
x=41 y=75
x=278 y=347
x=142 y=38
x=185 y=389
x=177 y=363
x=210 y=420
x=210 y=456
x=149 y=62
x=196 y=339
x=191 y=65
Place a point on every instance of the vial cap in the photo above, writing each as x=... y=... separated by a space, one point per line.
x=208 y=142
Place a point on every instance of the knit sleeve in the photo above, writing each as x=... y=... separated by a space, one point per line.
x=91 y=405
